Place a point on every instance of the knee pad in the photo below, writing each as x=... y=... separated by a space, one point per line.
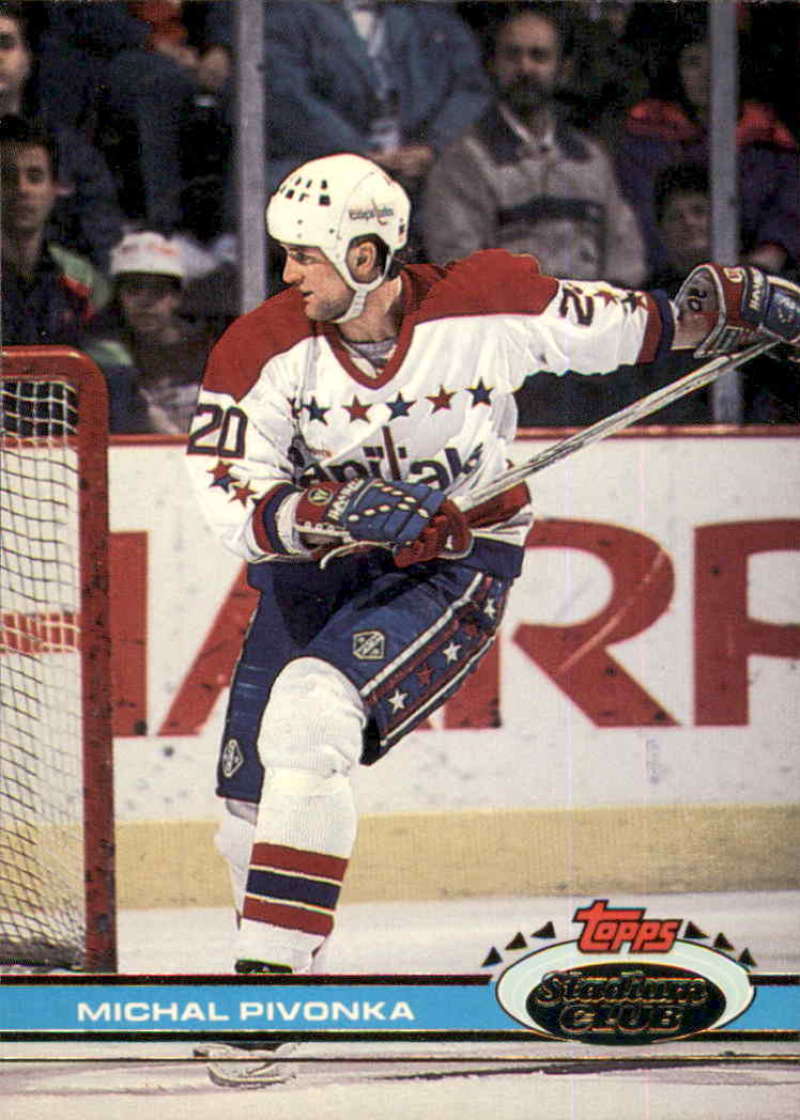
x=307 y=812
x=313 y=721
x=285 y=782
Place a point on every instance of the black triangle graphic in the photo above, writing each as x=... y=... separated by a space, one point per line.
x=548 y=930
x=693 y=932
x=721 y=942
x=746 y=959
x=493 y=957
x=517 y=942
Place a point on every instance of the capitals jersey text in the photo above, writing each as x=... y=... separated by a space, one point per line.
x=285 y=402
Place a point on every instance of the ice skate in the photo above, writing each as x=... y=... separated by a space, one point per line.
x=247 y=1065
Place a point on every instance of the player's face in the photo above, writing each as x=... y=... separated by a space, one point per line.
x=325 y=294
x=15 y=59
x=526 y=61
x=29 y=190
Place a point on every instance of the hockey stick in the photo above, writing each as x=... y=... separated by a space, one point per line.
x=616 y=422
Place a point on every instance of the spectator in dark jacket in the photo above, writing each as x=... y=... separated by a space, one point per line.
x=144 y=65
x=49 y=293
x=682 y=208
x=683 y=212
x=86 y=215
x=396 y=82
x=662 y=132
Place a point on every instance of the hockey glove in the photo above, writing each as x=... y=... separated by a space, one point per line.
x=370 y=510
x=448 y=531
x=740 y=306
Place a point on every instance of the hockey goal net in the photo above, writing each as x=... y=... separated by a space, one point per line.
x=56 y=840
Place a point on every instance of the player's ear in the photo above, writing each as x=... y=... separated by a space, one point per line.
x=362 y=260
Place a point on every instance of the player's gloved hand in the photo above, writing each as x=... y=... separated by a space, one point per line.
x=448 y=531
x=374 y=510
x=740 y=305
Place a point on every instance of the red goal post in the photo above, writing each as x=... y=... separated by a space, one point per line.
x=57 y=905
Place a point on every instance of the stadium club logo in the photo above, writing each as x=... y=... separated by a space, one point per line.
x=628 y=979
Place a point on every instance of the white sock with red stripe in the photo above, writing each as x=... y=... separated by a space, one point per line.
x=310 y=739
x=295 y=876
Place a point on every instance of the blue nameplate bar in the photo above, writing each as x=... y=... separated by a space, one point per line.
x=129 y=1007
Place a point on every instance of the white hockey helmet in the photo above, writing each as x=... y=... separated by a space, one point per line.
x=328 y=202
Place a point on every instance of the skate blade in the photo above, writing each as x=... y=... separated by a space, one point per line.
x=237 y=1075
x=234 y=1067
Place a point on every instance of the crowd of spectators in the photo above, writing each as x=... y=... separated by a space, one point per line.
x=576 y=131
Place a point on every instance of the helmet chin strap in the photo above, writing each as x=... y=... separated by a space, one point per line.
x=360 y=292
x=356 y=305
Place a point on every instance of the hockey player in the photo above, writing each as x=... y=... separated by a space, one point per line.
x=340 y=430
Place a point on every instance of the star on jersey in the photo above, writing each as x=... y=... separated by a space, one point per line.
x=634 y=300
x=480 y=394
x=607 y=296
x=315 y=411
x=222 y=476
x=441 y=400
x=451 y=652
x=398 y=700
x=357 y=410
x=399 y=407
x=424 y=675
x=294 y=408
x=490 y=610
x=242 y=493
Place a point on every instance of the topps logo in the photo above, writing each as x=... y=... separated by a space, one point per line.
x=606 y=931
x=626 y=980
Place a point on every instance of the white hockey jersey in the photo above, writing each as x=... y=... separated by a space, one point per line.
x=285 y=402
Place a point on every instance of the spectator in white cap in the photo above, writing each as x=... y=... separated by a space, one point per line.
x=153 y=356
x=148 y=273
